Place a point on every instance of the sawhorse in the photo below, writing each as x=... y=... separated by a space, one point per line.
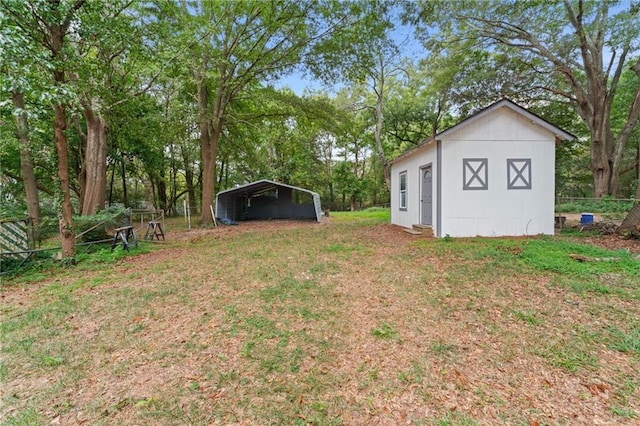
x=154 y=229
x=127 y=235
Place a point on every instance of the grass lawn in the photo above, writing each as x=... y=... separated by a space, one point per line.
x=347 y=322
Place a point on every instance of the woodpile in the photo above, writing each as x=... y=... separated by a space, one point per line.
x=604 y=227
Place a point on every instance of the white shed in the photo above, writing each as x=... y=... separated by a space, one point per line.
x=492 y=175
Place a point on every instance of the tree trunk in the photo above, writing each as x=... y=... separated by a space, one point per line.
x=161 y=187
x=600 y=168
x=379 y=89
x=208 y=180
x=209 y=173
x=638 y=174
x=205 y=147
x=222 y=172
x=113 y=174
x=189 y=179
x=67 y=234
x=616 y=166
x=632 y=120
x=210 y=132
x=123 y=170
x=332 y=196
x=77 y=160
x=154 y=197
x=173 y=176
x=95 y=163
x=191 y=190
x=225 y=176
x=26 y=161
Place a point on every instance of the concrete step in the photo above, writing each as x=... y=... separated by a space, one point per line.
x=426 y=230
x=412 y=231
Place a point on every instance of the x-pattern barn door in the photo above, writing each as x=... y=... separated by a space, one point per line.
x=475 y=173
x=519 y=173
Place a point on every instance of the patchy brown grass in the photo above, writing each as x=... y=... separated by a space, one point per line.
x=345 y=322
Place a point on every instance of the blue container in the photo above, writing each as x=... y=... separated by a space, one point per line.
x=586 y=218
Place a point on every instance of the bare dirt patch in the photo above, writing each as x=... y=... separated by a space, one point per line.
x=614 y=242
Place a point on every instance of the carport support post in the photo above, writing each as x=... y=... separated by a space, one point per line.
x=213 y=216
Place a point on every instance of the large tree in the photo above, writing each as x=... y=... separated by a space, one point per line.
x=373 y=63
x=233 y=45
x=16 y=63
x=417 y=106
x=48 y=24
x=114 y=44
x=575 y=50
x=386 y=66
x=26 y=158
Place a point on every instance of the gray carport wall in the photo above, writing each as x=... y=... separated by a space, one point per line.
x=266 y=199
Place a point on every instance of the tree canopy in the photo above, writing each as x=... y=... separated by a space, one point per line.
x=573 y=52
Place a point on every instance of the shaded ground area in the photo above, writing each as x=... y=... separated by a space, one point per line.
x=614 y=242
x=341 y=322
x=591 y=235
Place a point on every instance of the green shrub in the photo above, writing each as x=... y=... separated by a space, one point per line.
x=604 y=205
x=96 y=227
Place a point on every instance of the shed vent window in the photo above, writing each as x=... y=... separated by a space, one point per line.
x=475 y=174
x=519 y=173
x=403 y=190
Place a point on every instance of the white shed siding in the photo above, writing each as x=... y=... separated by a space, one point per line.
x=498 y=210
x=411 y=165
x=502 y=125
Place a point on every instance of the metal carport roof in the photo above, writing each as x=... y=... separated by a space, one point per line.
x=266 y=199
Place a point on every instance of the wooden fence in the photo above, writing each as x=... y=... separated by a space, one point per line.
x=14 y=238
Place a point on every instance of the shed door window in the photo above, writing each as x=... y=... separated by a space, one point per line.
x=475 y=174
x=519 y=173
x=403 y=190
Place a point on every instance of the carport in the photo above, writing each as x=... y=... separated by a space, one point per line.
x=266 y=199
